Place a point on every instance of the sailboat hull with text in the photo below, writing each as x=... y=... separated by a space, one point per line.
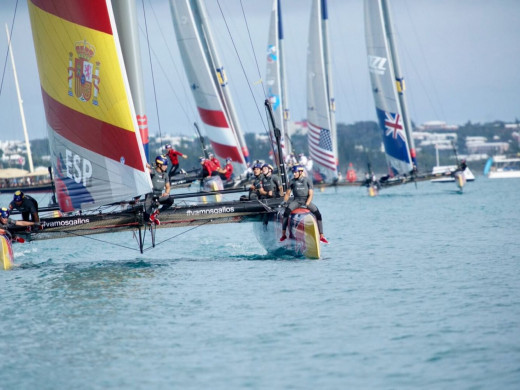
x=96 y=147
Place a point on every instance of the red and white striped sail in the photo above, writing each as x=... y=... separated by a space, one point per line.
x=96 y=150
x=320 y=98
x=208 y=81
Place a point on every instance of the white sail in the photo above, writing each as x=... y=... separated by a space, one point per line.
x=125 y=14
x=97 y=153
x=321 y=120
x=388 y=88
x=208 y=81
x=276 y=80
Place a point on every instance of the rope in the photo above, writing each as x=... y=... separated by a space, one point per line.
x=8 y=47
x=177 y=235
x=241 y=63
x=97 y=239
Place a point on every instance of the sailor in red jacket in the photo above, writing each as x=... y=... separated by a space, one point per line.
x=208 y=168
x=214 y=160
x=172 y=154
x=226 y=173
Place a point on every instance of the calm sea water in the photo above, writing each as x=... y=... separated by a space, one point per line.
x=418 y=289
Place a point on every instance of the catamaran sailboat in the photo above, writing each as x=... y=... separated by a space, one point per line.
x=388 y=91
x=96 y=148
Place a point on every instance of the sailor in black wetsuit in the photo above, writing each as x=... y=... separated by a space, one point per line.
x=303 y=191
x=8 y=225
x=26 y=205
x=160 y=188
x=256 y=185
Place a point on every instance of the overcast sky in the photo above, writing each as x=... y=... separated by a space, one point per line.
x=461 y=61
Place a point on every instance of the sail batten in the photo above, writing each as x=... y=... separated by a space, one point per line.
x=96 y=150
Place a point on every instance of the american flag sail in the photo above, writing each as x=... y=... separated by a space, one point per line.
x=320 y=97
x=320 y=147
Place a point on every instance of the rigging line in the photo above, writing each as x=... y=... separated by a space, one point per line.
x=241 y=64
x=177 y=235
x=96 y=239
x=151 y=70
x=180 y=75
x=253 y=50
x=428 y=72
x=8 y=48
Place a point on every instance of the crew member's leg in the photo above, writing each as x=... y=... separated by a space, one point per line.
x=166 y=201
x=288 y=210
x=313 y=209
x=173 y=170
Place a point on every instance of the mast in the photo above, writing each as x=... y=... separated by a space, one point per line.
x=328 y=77
x=286 y=137
x=320 y=103
x=125 y=15
x=399 y=78
x=221 y=79
x=275 y=81
x=20 y=102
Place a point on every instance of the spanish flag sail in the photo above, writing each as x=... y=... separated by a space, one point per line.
x=96 y=150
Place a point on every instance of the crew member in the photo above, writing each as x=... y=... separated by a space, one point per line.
x=226 y=173
x=277 y=183
x=26 y=205
x=267 y=189
x=214 y=160
x=208 y=168
x=160 y=189
x=173 y=155
x=8 y=225
x=254 y=188
x=303 y=191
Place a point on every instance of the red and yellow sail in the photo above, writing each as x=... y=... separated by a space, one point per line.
x=97 y=152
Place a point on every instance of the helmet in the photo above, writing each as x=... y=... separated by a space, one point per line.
x=268 y=166
x=297 y=168
x=18 y=196
x=4 y=212
x=259 y=166
x=168 y=146
x=211 y=155
x=202 y=159
x=228 y=159
x=160 y=160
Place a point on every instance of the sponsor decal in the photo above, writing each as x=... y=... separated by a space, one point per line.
x=377 y=65
x=216 y=210
x=65 y=222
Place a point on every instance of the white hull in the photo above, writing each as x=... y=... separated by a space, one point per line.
x=446 y=169
x=504 y=175
x=503 y=167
